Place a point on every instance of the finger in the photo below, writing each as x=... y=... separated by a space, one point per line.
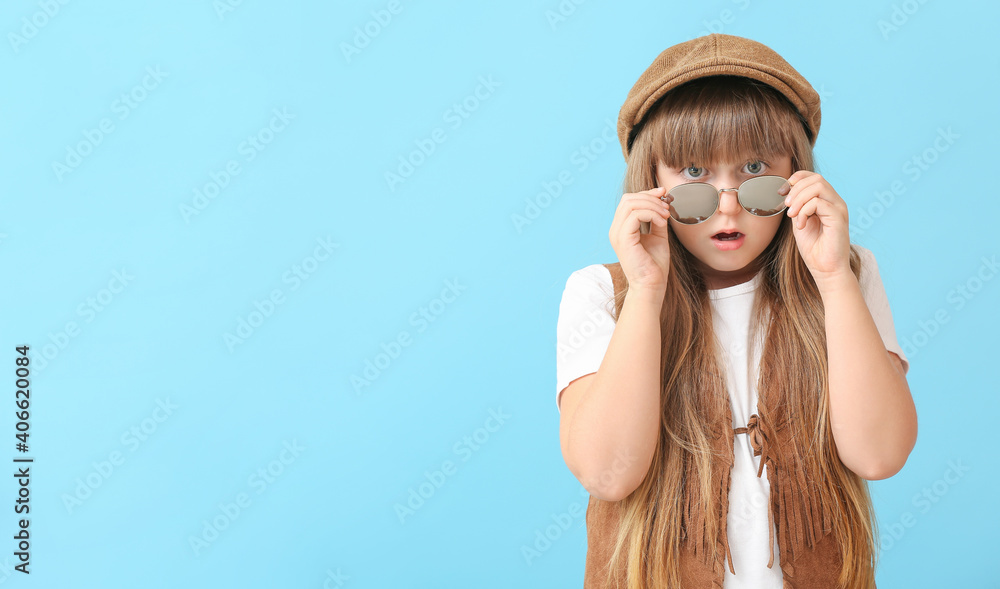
x=815 y=207
x=801 y=218
x=798 y=211
x=799 y=175
x=647 y=216
x=654 y=197
x=800 y=192
x=625 y=220
x=651 y=193
x=645 y=228
x=638 y=201
x=807 y=211
x=633 y=200
x=808 y=189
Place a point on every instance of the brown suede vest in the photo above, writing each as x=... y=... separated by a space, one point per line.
x=809 y=554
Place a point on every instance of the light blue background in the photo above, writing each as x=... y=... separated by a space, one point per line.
x=489 y=348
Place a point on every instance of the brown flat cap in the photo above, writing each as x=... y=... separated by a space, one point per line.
x=714 y=55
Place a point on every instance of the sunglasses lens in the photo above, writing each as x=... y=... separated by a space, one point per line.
x=764 y=196
x=693 y=202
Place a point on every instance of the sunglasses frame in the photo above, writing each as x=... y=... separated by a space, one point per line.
x=718 y=198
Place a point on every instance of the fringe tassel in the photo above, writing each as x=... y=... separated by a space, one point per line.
x=723 y=446
x=693 y=526
x=803 y=518
x=796 y=510
x=695 y=522
x=724 y=489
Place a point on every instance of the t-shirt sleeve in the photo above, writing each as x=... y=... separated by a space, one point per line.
x=878 y=304
x=585 y=324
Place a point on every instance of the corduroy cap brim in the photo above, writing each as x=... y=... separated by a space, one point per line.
x=716 y=54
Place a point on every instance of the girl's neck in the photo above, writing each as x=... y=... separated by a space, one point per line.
x=716 y=280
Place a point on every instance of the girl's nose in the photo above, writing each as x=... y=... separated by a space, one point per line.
x=729 y=202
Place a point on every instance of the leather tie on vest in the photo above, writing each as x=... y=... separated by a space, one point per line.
x=760 y=448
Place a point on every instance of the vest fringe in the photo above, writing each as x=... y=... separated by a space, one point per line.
x=803 y=517
x=795 y=510
x=797 y=514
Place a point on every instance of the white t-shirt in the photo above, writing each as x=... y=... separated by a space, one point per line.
x=583 y=332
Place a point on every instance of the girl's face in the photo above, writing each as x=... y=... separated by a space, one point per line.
x=726 y=267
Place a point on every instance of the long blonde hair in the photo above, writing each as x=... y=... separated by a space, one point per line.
x=734 y=119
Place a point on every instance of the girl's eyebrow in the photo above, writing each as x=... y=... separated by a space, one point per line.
x=735 y=166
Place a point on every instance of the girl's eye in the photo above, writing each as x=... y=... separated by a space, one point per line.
x=759 y=167
x=690 y=168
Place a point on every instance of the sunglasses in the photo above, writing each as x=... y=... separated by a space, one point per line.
x=696 y=202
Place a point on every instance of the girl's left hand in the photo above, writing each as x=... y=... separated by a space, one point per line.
x=820 y=226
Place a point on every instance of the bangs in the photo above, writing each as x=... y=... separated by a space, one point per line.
x=723 y=119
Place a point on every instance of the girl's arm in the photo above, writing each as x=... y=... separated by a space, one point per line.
x=872 y=415
x=610 y=419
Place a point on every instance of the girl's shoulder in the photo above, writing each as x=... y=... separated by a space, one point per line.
x=590 y=286
x=596 y=271
x=864 y=252
x=869 y=265
x=594 y=276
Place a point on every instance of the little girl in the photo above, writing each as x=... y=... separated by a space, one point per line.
x=727 y=388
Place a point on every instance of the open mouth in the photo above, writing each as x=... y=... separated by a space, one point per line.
x=727 y=236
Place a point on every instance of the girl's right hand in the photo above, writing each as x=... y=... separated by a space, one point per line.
x=645 y=258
